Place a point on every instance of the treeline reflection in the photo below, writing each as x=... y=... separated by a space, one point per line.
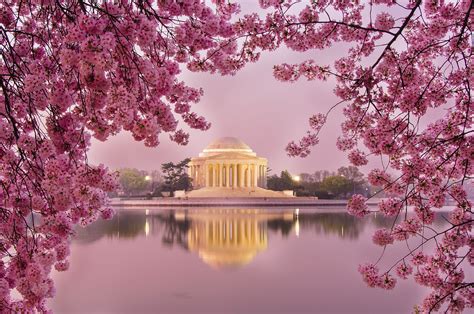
x=173 y=226
x=226 y=238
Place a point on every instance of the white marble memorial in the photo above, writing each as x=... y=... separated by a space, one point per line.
x=229 y=168
x=228 y=162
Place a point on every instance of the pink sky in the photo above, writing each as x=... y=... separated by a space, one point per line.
x=253 y=106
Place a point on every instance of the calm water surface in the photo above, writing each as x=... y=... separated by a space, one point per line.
x=228 y=260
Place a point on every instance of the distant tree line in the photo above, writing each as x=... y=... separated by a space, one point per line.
x=171 y=178
x=323 y=183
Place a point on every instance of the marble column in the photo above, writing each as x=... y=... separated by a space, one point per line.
x=248 y=175
x=221 y=175
x=234 y=175
x=198 y=175
x=244 y=181
x=227 y=179
x=209 y=177
x=255 y=175
x=213 y=175
x=240 y=169
x=237 y=175
x=242 y=176
x=206 y=169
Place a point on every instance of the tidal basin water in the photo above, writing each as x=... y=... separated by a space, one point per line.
x=210 y=260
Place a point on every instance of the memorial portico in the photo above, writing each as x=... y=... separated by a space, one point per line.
x=228 y=163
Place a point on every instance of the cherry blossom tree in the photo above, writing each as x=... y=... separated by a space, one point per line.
x=407 y=62
x=76 y=69
x=72 y=70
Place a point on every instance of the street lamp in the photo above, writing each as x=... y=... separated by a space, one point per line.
x=148 y=179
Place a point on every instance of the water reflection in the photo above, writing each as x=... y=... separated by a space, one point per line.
x=177 y=261
x=229 y=238
x=175 y=224
x=225 y=238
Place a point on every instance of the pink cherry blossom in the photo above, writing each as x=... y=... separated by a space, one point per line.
x=357 y=158
x=385 y=91
x=382 y=237
x=390 y=207
x=388 y=282
x=384 y=21
x=403 y=270
x=370 y=274
x=94 y=69
x=88 y=70
x=356 y=206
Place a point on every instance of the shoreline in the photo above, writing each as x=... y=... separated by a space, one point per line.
x=228 y=201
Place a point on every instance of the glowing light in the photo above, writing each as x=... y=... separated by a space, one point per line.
x=297 y=228
x=147 y=211
x=296 y=178
x=297 y=223
x=147 y=228
x=147 y=178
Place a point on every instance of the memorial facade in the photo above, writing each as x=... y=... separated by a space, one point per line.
x=228 y=163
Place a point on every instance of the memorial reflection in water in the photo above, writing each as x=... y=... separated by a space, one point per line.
x=224 y=238
x=230 y=238
x=241 y=260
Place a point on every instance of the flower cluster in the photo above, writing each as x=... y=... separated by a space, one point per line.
x=302 y=149
x=390 y=207
x=387 y=92
x=371 y=276
x=357 y=158
x=382 y=237
x=404 y=270
x=82 y=70
x=93 y=69
x=356 y=206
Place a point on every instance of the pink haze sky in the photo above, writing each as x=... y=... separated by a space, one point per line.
x=253 y=106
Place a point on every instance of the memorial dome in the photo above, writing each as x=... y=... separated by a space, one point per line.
x=227 y=144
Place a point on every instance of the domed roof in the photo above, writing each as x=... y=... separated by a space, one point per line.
x=227 y=143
